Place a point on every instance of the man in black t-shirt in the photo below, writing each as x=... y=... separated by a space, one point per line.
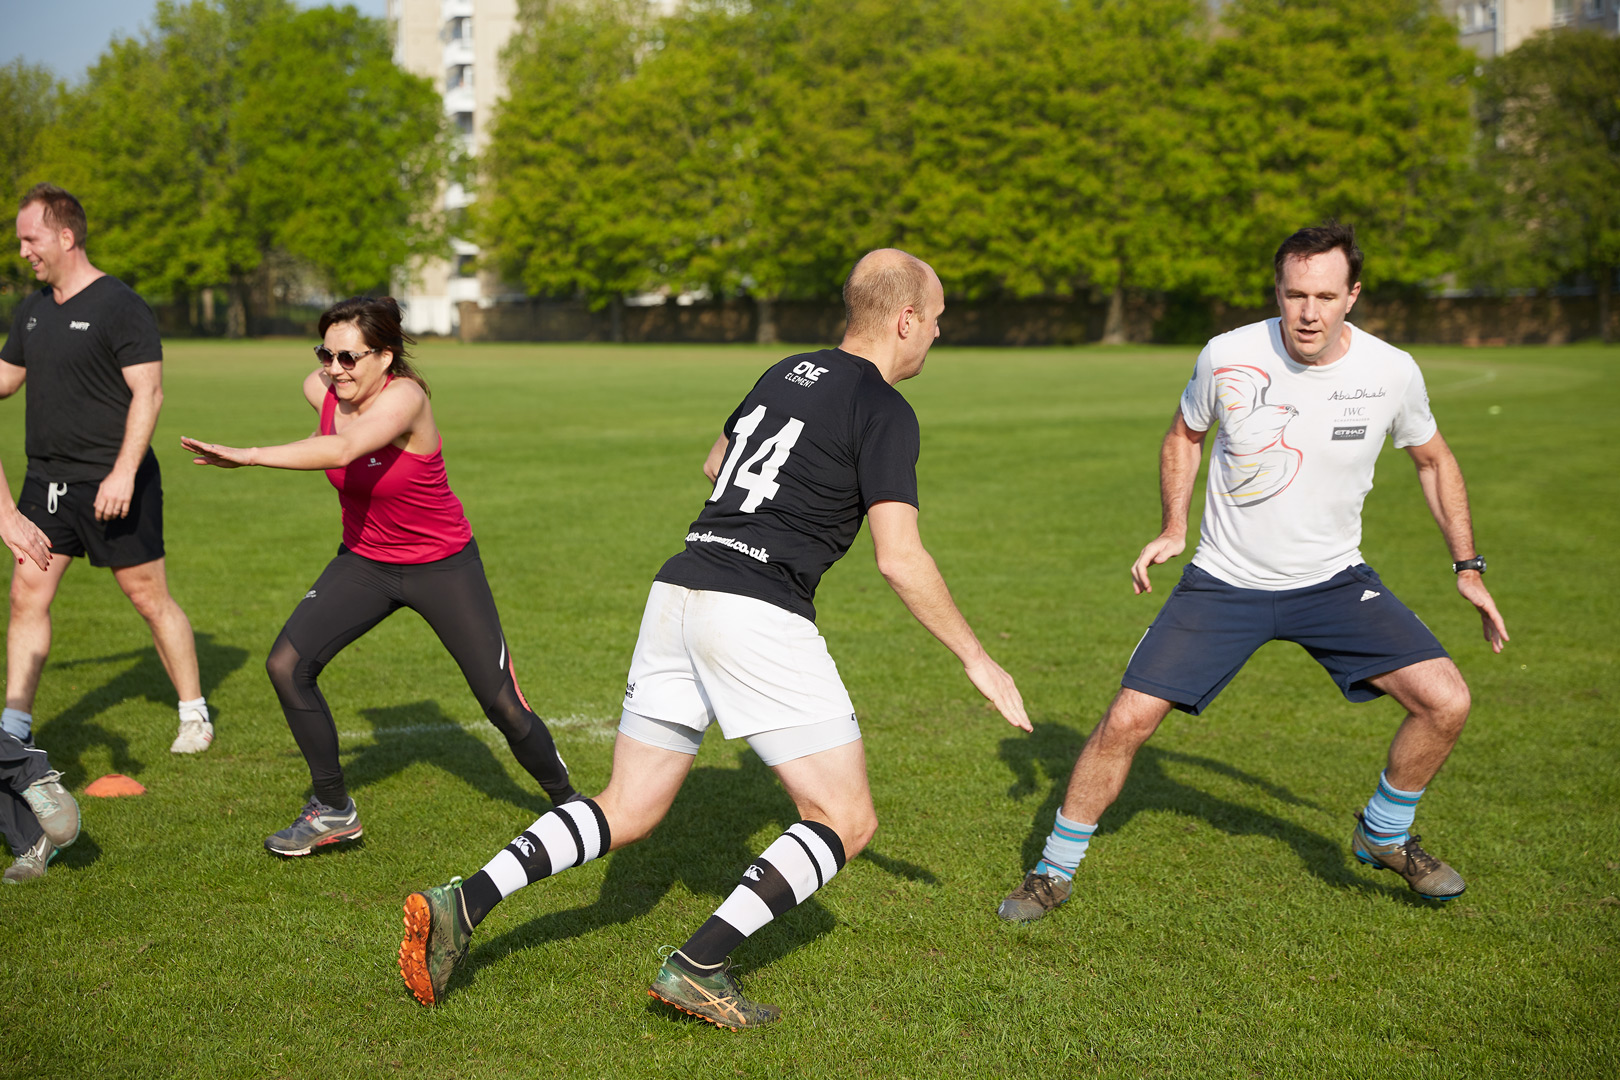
x=821 y=441
x=88 y=348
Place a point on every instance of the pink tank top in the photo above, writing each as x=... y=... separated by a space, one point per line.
x=397 y=506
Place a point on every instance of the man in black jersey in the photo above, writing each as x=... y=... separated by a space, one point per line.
x=821 y=441
x=91 y=346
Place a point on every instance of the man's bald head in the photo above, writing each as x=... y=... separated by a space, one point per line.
x=883 y=283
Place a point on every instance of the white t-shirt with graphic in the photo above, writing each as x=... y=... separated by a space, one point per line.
x=1293 y=460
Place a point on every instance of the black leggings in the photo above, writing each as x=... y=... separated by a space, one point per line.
x=352 y=595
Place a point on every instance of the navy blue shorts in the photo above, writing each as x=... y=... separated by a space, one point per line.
x=1351 y=623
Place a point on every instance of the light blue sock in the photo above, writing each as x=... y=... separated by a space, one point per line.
x=17 y=723
x=1064 y=848
x=1389 y=814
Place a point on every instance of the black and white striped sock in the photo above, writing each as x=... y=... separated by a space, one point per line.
x=569 y=835
x=799 y=862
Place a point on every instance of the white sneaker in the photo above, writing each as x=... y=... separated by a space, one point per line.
x=196 y=732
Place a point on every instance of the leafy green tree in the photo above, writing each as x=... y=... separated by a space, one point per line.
x=1354 y=109
x=28 y=103
x=1075 y=168
x=1550 y=153
x=237 y=129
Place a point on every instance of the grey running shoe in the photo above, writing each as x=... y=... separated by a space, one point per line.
x=31 y=864
x=434 y=942
x=317 y=826
x=1039 y=894
x=714 y=997
x=58 y=814
x=1428 y=876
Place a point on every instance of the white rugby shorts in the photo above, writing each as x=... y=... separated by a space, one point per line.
x=704 y=655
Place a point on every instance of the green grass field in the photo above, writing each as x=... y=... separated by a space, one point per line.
x=1218 y=929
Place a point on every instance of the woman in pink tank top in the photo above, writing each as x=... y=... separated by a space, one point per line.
x=406 y=543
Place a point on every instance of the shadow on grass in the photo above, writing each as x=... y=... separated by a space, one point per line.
x=704 y=845
x=1048 y=756
x=421 y=731
x=71 y=732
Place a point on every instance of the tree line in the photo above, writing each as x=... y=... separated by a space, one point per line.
x=1028 y=148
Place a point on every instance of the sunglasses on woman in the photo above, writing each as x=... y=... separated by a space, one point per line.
x=346 y=360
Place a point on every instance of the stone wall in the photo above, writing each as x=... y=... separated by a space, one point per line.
x=1402 y=318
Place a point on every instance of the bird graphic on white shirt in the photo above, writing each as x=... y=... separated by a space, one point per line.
x=1254 y=460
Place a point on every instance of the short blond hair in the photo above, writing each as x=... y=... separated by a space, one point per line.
x=882 y=284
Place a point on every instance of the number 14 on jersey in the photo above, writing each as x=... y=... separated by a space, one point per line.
x=757 y=475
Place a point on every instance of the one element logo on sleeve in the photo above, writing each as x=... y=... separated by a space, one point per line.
x=32 y=322
x=1253 y=461
x=805 y=373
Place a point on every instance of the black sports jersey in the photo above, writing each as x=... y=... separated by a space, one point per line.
x=819 y=438
x=75 y=353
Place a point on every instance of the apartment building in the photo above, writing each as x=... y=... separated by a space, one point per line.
x=457 y=44
x=1494 y=27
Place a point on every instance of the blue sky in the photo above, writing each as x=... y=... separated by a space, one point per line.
x=67 y=35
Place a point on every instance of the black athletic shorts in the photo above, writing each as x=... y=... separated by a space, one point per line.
x=1351 y=624
x=66 y=513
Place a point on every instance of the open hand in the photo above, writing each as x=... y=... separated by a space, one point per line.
x=998 y=686
x=1472 y=586
x=226 y=457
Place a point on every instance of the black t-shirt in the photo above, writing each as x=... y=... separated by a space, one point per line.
x=75 y=354
x=819 y=438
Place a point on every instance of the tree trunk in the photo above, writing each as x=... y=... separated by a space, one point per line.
x=236 y=316
x=765 y=321
x=1605 y=288
x=616 y=315
x=1114 y=326
x=207 y=305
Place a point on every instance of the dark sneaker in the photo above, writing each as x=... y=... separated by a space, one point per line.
x=434 y=942
x=716 y=997
x=58 y=814
x=1039 y=894
x=1428 y=876
x=31 y=864
x=317 y=826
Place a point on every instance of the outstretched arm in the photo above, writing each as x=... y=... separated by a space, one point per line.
x=1442 y=481
x=394 y=413
x=912 y=574
x=1179 y=455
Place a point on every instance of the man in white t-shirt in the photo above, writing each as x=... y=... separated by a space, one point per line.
x=1302 y=404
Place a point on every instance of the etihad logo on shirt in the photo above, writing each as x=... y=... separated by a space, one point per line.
x=805 y=373
x=78 y=325
x=1341 y=432
x=1356 y=395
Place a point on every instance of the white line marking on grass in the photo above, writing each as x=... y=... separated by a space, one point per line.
x=592 y=727
x=1466 y=384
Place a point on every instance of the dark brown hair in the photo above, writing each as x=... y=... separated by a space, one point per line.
x=378 y=320
x=1319 y=241
x=62 y=211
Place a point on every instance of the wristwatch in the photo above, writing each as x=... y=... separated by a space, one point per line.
x=1476 y=563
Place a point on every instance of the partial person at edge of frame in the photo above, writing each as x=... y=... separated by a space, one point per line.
x=89 y=350
x=822 y=441
x=37 y=815
x=406 y=544
x=1303 y=403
